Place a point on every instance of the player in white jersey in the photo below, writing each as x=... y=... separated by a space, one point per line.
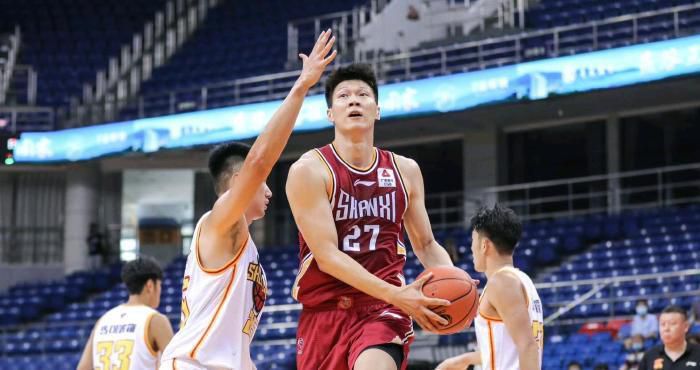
x=130 y=336
x=509 y=325
x=224 y=287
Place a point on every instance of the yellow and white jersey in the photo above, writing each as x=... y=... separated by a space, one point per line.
x=120 y=339
x=498 y=351
x=220 y=311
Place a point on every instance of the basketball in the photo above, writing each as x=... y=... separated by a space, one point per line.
x=454 y=285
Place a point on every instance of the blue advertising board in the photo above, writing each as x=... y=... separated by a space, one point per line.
x=526 y=81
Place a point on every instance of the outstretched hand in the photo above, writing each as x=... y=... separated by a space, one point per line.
x=315 y=63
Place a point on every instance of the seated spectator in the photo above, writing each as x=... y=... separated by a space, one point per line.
x=695 y=312
x=634 y=352
x=644 y=323
x=573 y=365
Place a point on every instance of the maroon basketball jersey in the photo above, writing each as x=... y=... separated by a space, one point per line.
x=368 y=208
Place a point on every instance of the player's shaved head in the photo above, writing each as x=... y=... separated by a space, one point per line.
x=356 y=71
x=224 y=161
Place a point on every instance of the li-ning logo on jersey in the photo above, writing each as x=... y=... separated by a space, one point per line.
x=382 y=206
x=363 y=183
x=257 y=275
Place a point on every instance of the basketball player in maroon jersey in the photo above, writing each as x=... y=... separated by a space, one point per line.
x=351 y=201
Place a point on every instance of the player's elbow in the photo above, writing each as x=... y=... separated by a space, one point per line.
x=528 y=349
x=423 y=245
x=323 y=264
x=259 y=163
x=327 y=262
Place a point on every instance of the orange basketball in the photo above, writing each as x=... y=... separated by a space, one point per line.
x=454 y=285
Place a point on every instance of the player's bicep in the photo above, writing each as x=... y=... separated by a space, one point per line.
x=306 y=192
x=416 y=218
x=161 y=331
x=511 y=305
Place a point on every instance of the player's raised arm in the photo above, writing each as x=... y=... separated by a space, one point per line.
x=416 y=220
x=265 y=152
x=511 y=305
x=307 y=194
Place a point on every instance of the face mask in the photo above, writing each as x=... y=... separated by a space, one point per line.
x=637 y=346
x=641 y=310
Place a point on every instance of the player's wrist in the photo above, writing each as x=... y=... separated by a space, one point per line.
x=390 y=294
x=302 y=86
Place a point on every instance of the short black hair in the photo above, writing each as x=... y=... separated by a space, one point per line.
x=223 y=159
x=501 y=225
x=355 y=71
x=136 y=273
x=676 y=309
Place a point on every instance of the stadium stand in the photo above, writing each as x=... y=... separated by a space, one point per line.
x=219 y=67
x=557 y=13
x=628 y=245
x=67 y=42
x=237 y=41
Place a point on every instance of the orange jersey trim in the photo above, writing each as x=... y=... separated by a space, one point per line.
x=490 y=318
x=193 y=353
x=304 y=266
x=481 y=313
x=491 y=346
x=225 y=266
x=146 y=339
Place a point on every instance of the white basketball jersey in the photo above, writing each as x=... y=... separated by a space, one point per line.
x=498 y=351
x=220 y=310
x=120 y=339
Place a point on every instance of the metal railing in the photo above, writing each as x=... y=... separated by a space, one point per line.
x=446 y=210
x=345 y=26
x=14 y=119
x=461 y=57
x=610 y=193
x=603 y=283
x=7 y=68
x=149 y=49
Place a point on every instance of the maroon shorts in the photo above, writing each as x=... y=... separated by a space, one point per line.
x=333 y=338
